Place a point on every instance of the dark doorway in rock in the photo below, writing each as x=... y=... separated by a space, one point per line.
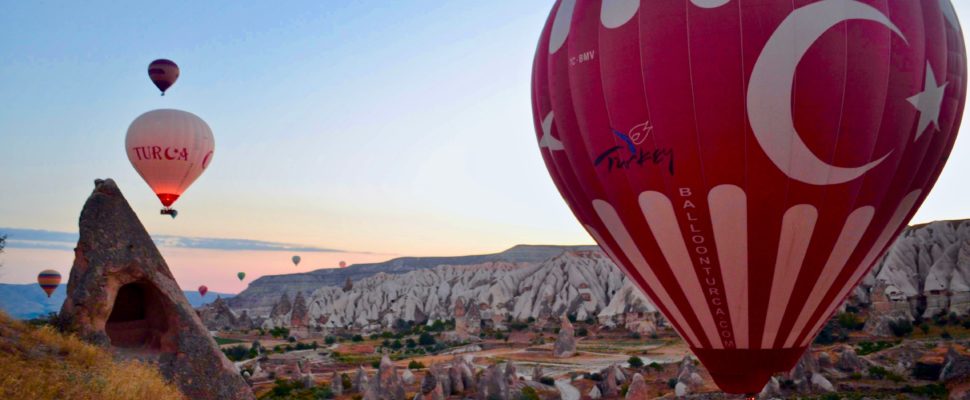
x=139 y=318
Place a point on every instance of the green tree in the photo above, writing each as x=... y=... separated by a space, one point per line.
x=426 y=339
x=635 y=362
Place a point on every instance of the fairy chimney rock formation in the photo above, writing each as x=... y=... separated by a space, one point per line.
x=566 y=341
x=122 y=295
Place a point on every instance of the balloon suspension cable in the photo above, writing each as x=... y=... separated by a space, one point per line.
x=170 y=212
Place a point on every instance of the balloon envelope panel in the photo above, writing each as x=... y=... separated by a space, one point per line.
x=746 y=162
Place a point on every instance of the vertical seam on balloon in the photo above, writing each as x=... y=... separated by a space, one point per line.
x=662 y=221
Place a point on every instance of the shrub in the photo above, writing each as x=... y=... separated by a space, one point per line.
x=877 y=372
x=635 y=335
x=410 y=343
x=426 y=339
x=901 y=328
x=850 y=321
x=866 y=348
x=582 y=332
x=672 y=383
x=346 y=381
x=291 y=339
x=635 y=362
x=924 y=327
x=529 y=393
x=357 y=338
x=279 y=332
x=933 y=391
x=415 y=364
x=656 y=367
x=946 y=335
x=518 y=326
x=330 y=340
x=396 y=344
x=376 y=364
x=236 y=353
x=832 y=332
x=547 y=380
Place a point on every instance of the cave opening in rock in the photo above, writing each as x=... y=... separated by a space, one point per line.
x=139 y=318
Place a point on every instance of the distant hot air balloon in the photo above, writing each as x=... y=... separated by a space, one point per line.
x=203 y=290
x=241 y=276
x=49 y=280
x=343 y=264
x=746 y=162
x=163 y=73
x=169 y=149
x=296 y=260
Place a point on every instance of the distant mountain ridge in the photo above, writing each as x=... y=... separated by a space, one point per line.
x=262 y=293
x=25 y=301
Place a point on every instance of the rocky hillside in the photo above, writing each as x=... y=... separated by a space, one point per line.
x=581 y=283
x=925 y=273
x=262 y=293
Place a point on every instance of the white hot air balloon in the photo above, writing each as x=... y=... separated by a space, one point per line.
x=169 y=149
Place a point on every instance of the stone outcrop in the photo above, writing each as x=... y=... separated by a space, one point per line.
x=121 y=294
x=565 y=345
x=360 y=379
x=493 y=384
x=348 y=285
x=609 y=383
x=387 y=384
x=850 y=362
x=430 y=388
x=336 y=384
x=299 y=315
x=688 y=376
x=567 y=391
x=217 y=316
x=926 y=272
x=638 y=389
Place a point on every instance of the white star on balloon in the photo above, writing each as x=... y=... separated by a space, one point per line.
x=929 y=102
x=547 y=141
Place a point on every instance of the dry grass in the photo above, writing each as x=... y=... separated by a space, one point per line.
x=41 y=363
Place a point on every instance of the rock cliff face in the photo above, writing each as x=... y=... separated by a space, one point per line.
x=262 y=293
x=926 y=272
x=580 y=283
x=122 y=295
x=217 y=316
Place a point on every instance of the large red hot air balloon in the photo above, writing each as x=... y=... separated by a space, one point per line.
x=163 y=73
x=49 y=280
x=169 y=149
x=746 y=162
x=203 y=290
x=343 y=264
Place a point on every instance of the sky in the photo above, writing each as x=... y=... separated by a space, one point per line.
x=348 y=130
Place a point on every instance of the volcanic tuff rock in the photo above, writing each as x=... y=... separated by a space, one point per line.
x=925 y=272
x=217 y=316
x=581 y=284
x=262 y=293
x=121 y=294
x=565 y=345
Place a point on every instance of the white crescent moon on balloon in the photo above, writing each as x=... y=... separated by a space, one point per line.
x=770 y=89
x=709 y=3
x=616 y=13
x=561 y=25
